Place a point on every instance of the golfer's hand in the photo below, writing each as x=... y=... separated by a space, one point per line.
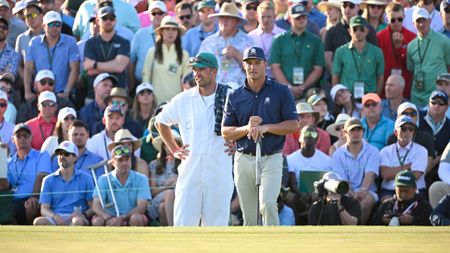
x=406 y=219
x=182 y=152
x=258 y=132
x=31 y=202
x=231 y=147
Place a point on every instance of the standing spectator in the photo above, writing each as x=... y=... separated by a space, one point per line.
x=393 y=41
x=202 y=196
x=26 y=169
x=53 y=5
x=261 y=110
x=377 y=128
x=6 y=128
x=445 y=15
x=228 y=44
x=332 y=10
x=248 y=10
x=9 y=59
x=194 y=37
x=7 y=81
x=374 y=13
x=15 y=24
x=394 y=87
x=428 y=56
x=184 y=15
x=107 y=51
x=285 y=23
x=299 y=65
x=144 y=105
x=62 y=209
x=56 y=52
x=361 y=56
x=358 y=163
x=433 y=14
x=266 y=31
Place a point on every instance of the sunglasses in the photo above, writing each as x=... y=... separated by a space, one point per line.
x=121 y=150
x=300 y=17
x=160 y=13
x=338 y=128
x=399 y=19
x=22 y=136
x=4 y=27
x=48 y=104
x=54 y=24
x=189 y=16
x=3 y=105
x=438 y=103
x=109 y=17
x=47 y=82
x=31 y=15
x=356 y=129
x=348 y=5
x=310 y=134
x=250 y=7
x=368 y=105
x=359 y=28
x=407 y=128
x=376 y=6
x=410 y=114
x=69 y=117
x=118 y=103
x=64 y=153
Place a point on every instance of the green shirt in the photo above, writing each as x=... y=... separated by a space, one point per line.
x=290 y=50
x=431 y=56
x=353 y=66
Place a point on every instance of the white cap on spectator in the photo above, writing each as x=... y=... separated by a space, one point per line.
x=144 y=86
x=64 y=112
x=406 y=105
x=351 y=1
x=335 y=89
x=157 y=5
x=420 y=13
x=51 y=16
x=3 y=95
x=68 y=147
x=103 y=76
x=45 y=73
x=45 y=96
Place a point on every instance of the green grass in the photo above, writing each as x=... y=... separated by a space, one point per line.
x=229 y=239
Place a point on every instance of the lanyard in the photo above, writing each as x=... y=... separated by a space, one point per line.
x=106 y=54
x=369 y=133
x=424 y=53
x=43 y=135
x=358 y=66
x=19 y=176
x=51 y=55
x=404 y=157
x=298 y=51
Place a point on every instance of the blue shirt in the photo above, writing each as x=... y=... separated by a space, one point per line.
x=9 y=60
x=6 y=132
x=317 y=17
x=380 y=133
x=91 y=114
x=63 y=196
x=193 y=38
x=22 y=173
x=57 y=58
x=135 y=188
x=387 y=112
x=84 y=160
x=274 y=104
x=142 y=41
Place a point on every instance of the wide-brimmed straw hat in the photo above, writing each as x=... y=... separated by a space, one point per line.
x=169 y=22
x=124 y=136
x=302 y=108
x=229 y=10
x=364 y=4
x=340 y=121
x=322 y=6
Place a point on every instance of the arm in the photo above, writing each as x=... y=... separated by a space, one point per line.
x=380 y=84
x=47 y=212
x=335 y=79
x=282 y=128
x=98 y=209
x=27 y=80
x=388 y=173
x=166 y=134
x=278 y=73
x=315 y=74
x=118 y=65
x=329 y=60
x=33 y=201
x=293 y=184
x=73 y=76
x=140 y=208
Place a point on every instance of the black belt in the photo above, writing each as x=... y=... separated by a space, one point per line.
x=262 y=154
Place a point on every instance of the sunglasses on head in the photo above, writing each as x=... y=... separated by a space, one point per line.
x=368 y=105
x=196 y=59
x=250 y=7
x=119 y=103
x=31 y=15
x=359 y=28
x=121 y=150
x=348 y=5
x=189 y=16
x=55 y=24
x=48 y=104
x=375 y=6
x=64 y=153
x=399 y=19
x=438 y=103
x=405 y=128
x=159 y=13
x=109 y=17
x=310 y=134
x=410 y=114
x=47 y=82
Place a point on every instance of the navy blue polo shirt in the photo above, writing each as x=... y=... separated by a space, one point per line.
x=273 y=103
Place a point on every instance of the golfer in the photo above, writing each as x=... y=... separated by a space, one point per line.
x=265 y=109
x=205 y=184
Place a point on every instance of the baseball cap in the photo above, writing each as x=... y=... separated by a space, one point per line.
x=45 y=96
x=206 y=3
x=204 y=60
x=404 y=106
x=21 y=126
x=444 y=4
x=106 y=10
x=120 y=151
x=51 y=16
x=111 y=109
x=352 y=123
x=67 y=146
x=254 y=53
x=371 y=96
x=443 y=77
x=103 y=76
x=403 y=119
x=4 y=3
x=3 y=95
x=144 y=86
x=330 y=175
x=335 y=89
x=298 y=10
x=405 y=178
x=45 y=73
x=20 y=5
x=157 y=5
x=8 y=76
x=64 y=112
x=420 y=13
x=316 y=98
x=357 y=21
x=439 y=94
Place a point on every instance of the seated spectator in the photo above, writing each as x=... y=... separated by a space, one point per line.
x=130 y=189
x=443 y=84
x=60 y=133
x=144 y=105
x=344 y=101
x=6 y=128
x=7 y=80
x=285 y=213
x=405 y=154
x=407 y=207
x=441 y=188
x=377 y=128
x=73 y=207
x=395 y=84
x=441 y=213
x=333 y=208
x=335 y=130
x=319 y=104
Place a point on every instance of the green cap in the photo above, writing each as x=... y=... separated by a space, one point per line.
x=204 y=60
x=206 y=3
x=405 y=178
x=357 y=21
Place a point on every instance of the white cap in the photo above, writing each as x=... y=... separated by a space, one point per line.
x=20 y=5
x=144 y=86
x=158 y=4
x=67 y=146
x=51 y=16
x=3 y=95
x=64 y=112
x=351 y=1
x=45 y=73
x=406 y=105
x=335 y=89
x=420 y=13
x=46 y=95
x=103 y=76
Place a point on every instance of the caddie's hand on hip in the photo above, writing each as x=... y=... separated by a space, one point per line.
x=231 y=147
x=182 y=152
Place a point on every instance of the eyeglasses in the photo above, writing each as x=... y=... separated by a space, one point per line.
x=48 y=104
x=22 y=136
x=64 y=153
x=399 y=19
x=375 y=6
x=69 y=117
x=4 y=27
x=148 y=92
x=368 y=105
x=250 y=7
x=109 y=17
x=348 y=5
x=121 y=151
x=119 y=103
x=356 y=129
x=54 y=24
x=407 y=128
x=310 y=134
x=438 y=103
x=338 y=128
x=47 y=82
x=359 y=28
x=160 y=13
x=31 y=15
x=189 y=16
x=410 y=114
x=300 y=17
x=3 y=105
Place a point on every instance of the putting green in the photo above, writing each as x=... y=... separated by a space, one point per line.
x=229 y=239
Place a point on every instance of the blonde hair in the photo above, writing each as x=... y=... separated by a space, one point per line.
x=266 y=6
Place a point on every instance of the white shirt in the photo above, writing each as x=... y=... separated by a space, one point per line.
x=298 y=162
x=444 y=166
x=436 y=21
x=415 y=153
x=98 y=144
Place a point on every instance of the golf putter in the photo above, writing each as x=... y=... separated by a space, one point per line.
x=258 y=181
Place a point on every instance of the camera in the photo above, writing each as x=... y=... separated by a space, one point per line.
x=324 y=186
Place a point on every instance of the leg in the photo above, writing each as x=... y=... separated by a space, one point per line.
x=244 y=175
x=437 y=191
x=169 y=198
x=43 y=221
x=98 y=220
x=367 y=205
x=270 y=188
x=187 y=206
x=138 y=220
x=162 y=214
x=79 y=221
x=31 y=214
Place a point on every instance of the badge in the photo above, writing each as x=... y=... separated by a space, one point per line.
x=298 y=76
x=396 y=72
x=358 y=90
x=225 y=63
x=419 y=79
x=173 y=69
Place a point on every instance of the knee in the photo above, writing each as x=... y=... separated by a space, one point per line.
x=98 y=221
x=169 y=194
x=137 y=219
x=41 y=221
x=79 y=221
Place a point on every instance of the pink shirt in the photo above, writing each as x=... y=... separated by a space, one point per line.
x=144 y=17
x=40 y=130
x=292 y=144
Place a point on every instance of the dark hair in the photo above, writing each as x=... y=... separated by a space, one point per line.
x=161 y=162
x=79 y=123
x=182 y=6
x=159 y=52
x=338 y=108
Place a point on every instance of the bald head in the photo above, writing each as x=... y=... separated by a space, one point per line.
x=395 y=84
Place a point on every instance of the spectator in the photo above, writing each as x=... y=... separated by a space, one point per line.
x=377 y=128
x=26 y=169
x=301 y=74
x=441 y=188
x=433 y=14
x=228 y=44
x=394 y=90
x=184 y=15
x=130 y=189
x=65 y=118
x=405 y=154
x=336 y=130
x=166 y=63
x=332 y=10
x=393 y=41
x=9 y=59
x=6 y=128
x=440 y=215
x=368 y=62
x=344 y=101
x=248 y=9
x=286 y=214
x=60 y=209
x=374 y=13
x=319 y=103
x=144 y=105
x=407 y=207
x=56 y=52
x=120 y=30
x=266 y=31
x=426 y=60
x=285 y=22
x=445 y=15
x=364 y=160
x=442 y=83
x=194 y=37
x=7 y=81
x=53 y=5
x=16 y=25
